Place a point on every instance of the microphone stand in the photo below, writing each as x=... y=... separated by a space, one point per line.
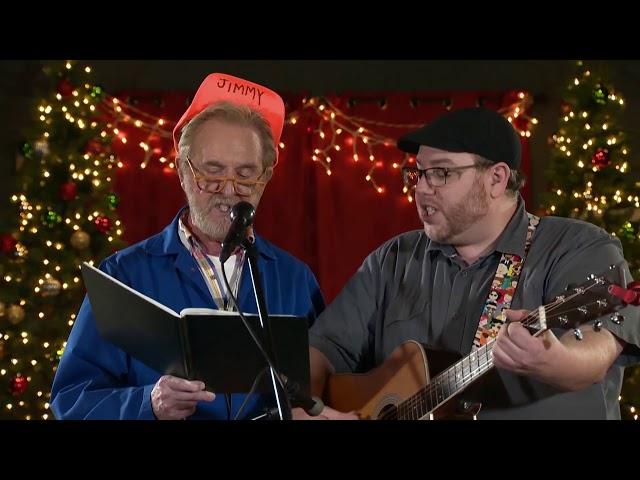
x=282 y=401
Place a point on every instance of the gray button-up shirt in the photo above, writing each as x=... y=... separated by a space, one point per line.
x=413 y=288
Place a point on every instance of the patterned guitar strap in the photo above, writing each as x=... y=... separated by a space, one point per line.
x=502 y=290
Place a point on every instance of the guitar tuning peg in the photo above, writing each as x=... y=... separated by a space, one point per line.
x=617 y=318
x=597 y=326
x=577 y=333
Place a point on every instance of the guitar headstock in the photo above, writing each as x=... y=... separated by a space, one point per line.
x=591 y=300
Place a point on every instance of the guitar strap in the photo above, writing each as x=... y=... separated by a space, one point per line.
x=502 y=290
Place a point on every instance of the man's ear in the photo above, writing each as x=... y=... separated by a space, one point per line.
x=499 y=179
x=178 y=162
x=268 y=173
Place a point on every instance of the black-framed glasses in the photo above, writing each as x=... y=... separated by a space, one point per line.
x=213 y=184
x=436 y=176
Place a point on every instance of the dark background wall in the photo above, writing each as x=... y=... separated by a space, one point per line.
x=545 y=79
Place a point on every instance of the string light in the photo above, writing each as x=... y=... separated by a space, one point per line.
x=337 y=130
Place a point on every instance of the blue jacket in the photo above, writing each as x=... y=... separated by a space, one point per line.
x=97 y=380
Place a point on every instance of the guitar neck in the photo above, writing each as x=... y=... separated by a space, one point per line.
x=447 y=384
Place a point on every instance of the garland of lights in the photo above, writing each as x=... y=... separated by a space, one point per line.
x=336 y=130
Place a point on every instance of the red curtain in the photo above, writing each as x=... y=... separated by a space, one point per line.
x=331 y=222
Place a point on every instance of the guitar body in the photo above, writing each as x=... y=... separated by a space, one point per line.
x=407 y=370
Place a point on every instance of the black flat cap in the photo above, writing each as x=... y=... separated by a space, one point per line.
x=473 y=130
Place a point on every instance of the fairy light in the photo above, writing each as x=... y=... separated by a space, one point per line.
x=338 y=130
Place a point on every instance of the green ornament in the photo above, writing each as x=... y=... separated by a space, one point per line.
x=96 y=91
x=27 y=149
x=51 y=219
x=601 y=94
x=112 y=201
x=627 y=231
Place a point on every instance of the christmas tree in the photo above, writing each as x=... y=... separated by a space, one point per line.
x=591 y=180
x=62 y=213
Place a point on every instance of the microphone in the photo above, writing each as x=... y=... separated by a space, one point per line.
x=312 y=405
x=242 y=215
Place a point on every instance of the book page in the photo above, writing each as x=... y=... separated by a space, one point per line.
x=205 y=311
x=212 y=311
x=142 y=295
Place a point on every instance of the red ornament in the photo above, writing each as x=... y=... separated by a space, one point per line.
x=68 y=191
x=94 y=146
x=566 y=107
x=7 y=243
x=103 y=224
x=65 y=88
x=600 y=159
x=18 y=385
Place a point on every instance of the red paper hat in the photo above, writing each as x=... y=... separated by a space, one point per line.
x=220 y=87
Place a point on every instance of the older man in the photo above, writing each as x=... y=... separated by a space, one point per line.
x=227 y=149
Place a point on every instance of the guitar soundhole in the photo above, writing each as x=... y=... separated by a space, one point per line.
x=388 y=412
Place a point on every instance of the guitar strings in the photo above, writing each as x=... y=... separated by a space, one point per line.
x=411 y=404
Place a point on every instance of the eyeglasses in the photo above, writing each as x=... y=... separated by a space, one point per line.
x=436 y=176
x=213 y=184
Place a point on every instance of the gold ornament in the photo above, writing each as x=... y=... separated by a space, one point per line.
x=51 y=287
x=15 y=313
x=80 y=240
x=21 y=250
x=3 y=308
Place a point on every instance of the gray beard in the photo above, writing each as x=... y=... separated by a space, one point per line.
x=213 y=230
x=199 y=217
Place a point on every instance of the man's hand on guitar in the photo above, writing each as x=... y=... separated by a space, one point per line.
x=174 y=398
x=517 y=350
x=327 y=413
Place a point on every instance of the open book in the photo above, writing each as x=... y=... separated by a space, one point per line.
x=198 y=343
